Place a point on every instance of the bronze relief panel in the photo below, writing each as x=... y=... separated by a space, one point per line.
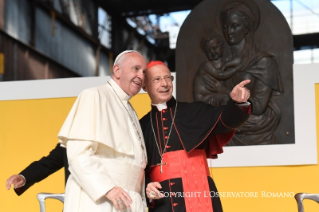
x=233 y=41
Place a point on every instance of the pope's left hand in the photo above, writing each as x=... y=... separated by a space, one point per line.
x=240 y=93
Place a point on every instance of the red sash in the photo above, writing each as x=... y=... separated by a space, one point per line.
x=193 y=169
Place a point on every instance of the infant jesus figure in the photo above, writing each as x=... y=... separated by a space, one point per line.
x=207 y=85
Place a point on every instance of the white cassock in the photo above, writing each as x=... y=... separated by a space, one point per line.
x=104 y=150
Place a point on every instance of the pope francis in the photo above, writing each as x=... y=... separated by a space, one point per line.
x=105 y=145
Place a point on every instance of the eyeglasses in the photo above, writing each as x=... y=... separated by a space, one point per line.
x=166 y=78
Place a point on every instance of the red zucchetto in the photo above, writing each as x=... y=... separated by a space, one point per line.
x=153 y=63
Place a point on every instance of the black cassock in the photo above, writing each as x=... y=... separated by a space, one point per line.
x=196 y=126
x=39 y=170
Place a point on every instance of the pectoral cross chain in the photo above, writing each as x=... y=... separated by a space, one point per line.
x=161 y=164
x=158 y=148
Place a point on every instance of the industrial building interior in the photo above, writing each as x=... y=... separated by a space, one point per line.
x=54 y=39
x=46 y=39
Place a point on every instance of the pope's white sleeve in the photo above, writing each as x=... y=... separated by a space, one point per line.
x=87 y=169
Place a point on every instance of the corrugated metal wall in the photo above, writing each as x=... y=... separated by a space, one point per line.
x=43 y=39
x=53 y=38
x=82 y=13
x=65 y=46
x=128 y=38
x=17 y=19
x=23 y=63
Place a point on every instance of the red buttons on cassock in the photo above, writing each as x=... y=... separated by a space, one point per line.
x=164 y=119
x=173 y=194
x=175 y=204
x=172 y=183
x=166 y=137
x=168 y=147
x=165 y=128
x=164 y=111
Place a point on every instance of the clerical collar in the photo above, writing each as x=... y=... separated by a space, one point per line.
x=123 y=96
x=161 y=106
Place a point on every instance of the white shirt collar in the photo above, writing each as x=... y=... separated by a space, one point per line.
x=160 y=106
x=123 y=96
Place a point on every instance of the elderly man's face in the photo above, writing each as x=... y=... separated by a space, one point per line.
x=158 y=84
x=131 y=73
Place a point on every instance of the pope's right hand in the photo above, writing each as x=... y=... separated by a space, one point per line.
x=152 y=191
x=119 y=197
x=17 y=181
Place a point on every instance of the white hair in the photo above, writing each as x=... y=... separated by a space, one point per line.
x=121 y=54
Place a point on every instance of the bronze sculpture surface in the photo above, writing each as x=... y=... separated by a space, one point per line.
x=216 y=68
x=238 y=41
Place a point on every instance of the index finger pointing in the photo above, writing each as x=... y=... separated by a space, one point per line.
x=243 y=83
